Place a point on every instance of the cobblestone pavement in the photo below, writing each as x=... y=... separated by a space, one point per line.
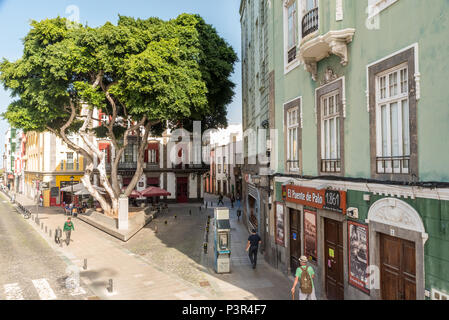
x=177 y=248
x=177 y=245
x=30 y=269
x=165 y=260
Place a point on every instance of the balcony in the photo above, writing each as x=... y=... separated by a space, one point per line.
x=292 y=165
x=310 y=22
x=127 y=165
x=399 y=165
x=315 y=47
x=331 y=165
x=292 y=54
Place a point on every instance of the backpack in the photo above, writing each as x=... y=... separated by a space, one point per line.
x=306 y=281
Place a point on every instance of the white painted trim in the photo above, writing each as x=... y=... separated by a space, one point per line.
x=338 y=10
x=417 y=73
x=374 y=188
x=397 y=213
x=378 y=6
x=295 y=63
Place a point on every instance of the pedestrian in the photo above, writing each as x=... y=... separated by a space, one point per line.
x=232 y=201
x=253 y=246
x=220 y=200
x=70 y=209
x=68 y=227
x=239 y=213
x=305 y=275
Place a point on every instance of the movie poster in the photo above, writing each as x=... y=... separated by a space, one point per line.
x=358 y=255
x=280 y=224
x=310 y=239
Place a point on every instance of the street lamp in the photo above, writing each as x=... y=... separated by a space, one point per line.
x=71 y=182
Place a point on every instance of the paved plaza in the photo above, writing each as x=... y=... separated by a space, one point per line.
x=164 y=261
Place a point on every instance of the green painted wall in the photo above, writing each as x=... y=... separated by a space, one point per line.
x=401 y=25
x=435 y=216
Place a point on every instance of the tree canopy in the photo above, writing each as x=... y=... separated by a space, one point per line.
x=146 y=72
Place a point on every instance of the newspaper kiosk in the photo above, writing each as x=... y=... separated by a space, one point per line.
x=222 y=241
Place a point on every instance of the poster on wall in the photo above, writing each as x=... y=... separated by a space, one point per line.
x=310 y=239
x=358 y=255
x=280 y=224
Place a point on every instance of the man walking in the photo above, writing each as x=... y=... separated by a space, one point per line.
x=253 y=246
x=305 y=276
x=220 y=200
x=68 y=227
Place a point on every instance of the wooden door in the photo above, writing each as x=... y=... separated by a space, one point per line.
x=398 y=268
x=295 y=239
x=181 y=190
x=333 y=253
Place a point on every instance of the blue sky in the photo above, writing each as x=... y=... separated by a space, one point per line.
x=15 y=16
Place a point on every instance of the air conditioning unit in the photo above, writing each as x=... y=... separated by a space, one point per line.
x=438 y=295
x=352 y=213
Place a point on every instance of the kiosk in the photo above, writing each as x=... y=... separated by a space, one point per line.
x=222 y=240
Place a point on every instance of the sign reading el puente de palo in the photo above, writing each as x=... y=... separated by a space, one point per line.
x=333 y=200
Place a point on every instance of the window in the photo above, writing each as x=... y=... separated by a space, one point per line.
x=330 y=115
x=393 y=121
x=393 y=94
x=128 y=153
x=292 y=139
x=292 y=31
x=219 y=165
x=69 y=161
x=152 y=156
x=224 y=165
x=330 y=133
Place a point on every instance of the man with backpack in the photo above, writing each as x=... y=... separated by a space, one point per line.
x=68 y=227
x=305 y=276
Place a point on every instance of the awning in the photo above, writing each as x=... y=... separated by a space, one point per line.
x=85 y=192
x=76 y=188
x=134 y=194
x=155 y=192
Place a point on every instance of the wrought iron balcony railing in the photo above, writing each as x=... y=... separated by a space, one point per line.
x=127 y=165
x=399 y=165
x=310 y=22
x=331 y=165
x=292 y=54
x=292 y=165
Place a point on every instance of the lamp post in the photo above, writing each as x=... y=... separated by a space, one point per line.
x=71 y=182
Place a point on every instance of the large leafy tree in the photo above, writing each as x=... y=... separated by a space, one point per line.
x=142 y=73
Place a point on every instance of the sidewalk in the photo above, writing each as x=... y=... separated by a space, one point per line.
x=243 y=282
x=133 y=278
x=138 y=278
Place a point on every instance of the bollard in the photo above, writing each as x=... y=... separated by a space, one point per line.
x=111 y=287
x=166 y=222
x=200 y=209
x=85 y=264
x=205 y=247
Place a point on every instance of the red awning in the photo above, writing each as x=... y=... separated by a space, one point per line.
x=155 y=192
x=134 y=194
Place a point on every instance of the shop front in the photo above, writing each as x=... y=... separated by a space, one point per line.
x=64 y=197
x=317 y=229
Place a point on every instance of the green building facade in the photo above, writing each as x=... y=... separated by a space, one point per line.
x=360 y=113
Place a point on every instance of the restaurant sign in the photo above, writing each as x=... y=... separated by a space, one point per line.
x=333 y=200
